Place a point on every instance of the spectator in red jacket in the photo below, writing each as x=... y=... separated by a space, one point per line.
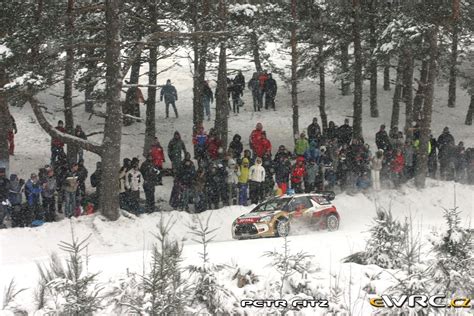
x=157 y=154
x=57 y=146
x=256 y=138
x=213 y=144
x=397 y=165
x=297 y=175
x=264 y=146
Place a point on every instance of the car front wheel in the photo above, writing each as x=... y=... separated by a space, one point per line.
x=332 y=222
x=282 y=227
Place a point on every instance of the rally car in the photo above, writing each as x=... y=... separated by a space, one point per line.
x=272 y=217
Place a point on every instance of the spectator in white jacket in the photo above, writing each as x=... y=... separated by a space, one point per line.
x=376 y=166
x=233 y=173
x=133 y=181
x=256 y=180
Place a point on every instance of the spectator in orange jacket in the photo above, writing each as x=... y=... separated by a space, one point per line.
x=57 y=146
x=213 y=144
x=297 y=175
x=397 y=165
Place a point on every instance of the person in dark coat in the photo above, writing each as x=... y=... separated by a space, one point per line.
x=20 y=216
x=282 y=169
x=236 y=92
x=239 y=81
x=96 y=179
x=49 y=187
x=446 y=153
x=207 y=99
x=171 y=96
x=381 y=138
x=344 y=133
x=460 y=163
x=57 y=146
x=131 y=106
x=11 y=136
x=432 y=158
x=342 y=171
x=82 y=173
x=185 y=176
x=236 y=146
x=331 y=132
x=4 y=190
x=270 y=92
x=78 y=132
x=253 y=85
x=32 y=193
x=314 y=132
x=151 y=179
x=176 y=150
x=212 y=187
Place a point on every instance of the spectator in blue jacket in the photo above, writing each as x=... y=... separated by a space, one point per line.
x=32 y=193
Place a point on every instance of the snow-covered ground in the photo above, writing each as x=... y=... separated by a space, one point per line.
x=117 y=247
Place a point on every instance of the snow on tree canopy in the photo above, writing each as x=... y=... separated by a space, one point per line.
x=5 y=52
x=243 y=9
x=26 y=79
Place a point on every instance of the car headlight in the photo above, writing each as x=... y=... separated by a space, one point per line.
x=266 y=218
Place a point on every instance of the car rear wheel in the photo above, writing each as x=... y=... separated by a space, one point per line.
x=282 y=227
x=332 y=222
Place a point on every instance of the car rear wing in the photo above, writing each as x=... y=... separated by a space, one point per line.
x=328 y=195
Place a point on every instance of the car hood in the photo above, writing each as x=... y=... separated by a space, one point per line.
x=253 y=217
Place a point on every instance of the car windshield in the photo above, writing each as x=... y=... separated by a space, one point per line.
x=272 y=205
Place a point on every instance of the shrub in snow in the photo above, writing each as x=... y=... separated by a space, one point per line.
x=9 y=304
x=68 y=288
x=453 y=267
x=162 y=290
x=388 y=238
x=207 y=291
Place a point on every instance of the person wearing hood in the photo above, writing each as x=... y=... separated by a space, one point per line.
x=236 y=146
x=171 y=96
x=269 y=183
x=256 y=138
x=32 y=192
x=301 y=145
x=282 y=169
x=310 y=176
x=212 y=187
x=199 y=142
x=232 y=180
x=313 y=152
x=243 y=181
x=157 y=155
x=314 y=131
x=270 y=92
x=253 y=85
x=381 y=138
x=19 y=215
x=256 y=180
x=297 y=175
x=176 y=150
x=49 y=187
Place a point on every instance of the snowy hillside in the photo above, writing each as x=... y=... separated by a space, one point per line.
x=118 y=247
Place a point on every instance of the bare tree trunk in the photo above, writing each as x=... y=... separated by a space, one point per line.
x=386 y=73
x=113 y=123
x=222 y=106
x=470 y=112
x=322 y=90
x=150 y=128
x=408 y=86
x=68 y=83
x=397 y=93
x=5 y=124
x=91 y=82
x=357 y=124
x=453 y=67
x=294 y=65
x=374 y=112
x=200 y=62
x=256 y=52
x=135 y=71
x=425 y=124
x=420 y=92
x=345 y=82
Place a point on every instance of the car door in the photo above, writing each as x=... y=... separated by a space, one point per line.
x=300 y=206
